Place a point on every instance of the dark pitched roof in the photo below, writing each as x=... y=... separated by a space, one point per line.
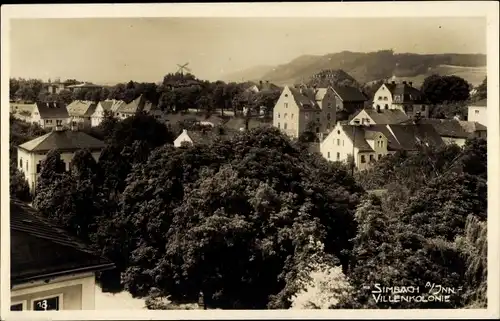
x=52 y=110
x=349 y=94
x=267 y=86
x=357 y=135
x=447 y=127
x=386 y=116
x=410 y=94
x=410 y=136
x=472 y=126
x=136 y=105
x=40 y=249
x=400 y=137
x=305 y=98
x=62 y=140
x=106 y=104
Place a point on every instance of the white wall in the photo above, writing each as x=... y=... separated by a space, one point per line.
x=287 y=112
x=478 y=114
x=183 y=137
x=29 y=161
x=382 y=97
x=337 y=144
x=77 y=292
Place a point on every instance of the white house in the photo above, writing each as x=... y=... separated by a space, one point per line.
x=402 y=96
x=100 y=111
x=183 y=138
x=50 y=115
x=80 y=113
x=369 y=143
x=50 y=270
x=124 y=110
x=478 y=112
x=31 y=154
x=297 y=108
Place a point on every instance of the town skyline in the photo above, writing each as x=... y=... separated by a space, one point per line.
x=229 y=44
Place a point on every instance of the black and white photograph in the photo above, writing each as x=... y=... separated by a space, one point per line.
x=250 y=162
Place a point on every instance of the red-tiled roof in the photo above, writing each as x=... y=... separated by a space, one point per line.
x=40 y=249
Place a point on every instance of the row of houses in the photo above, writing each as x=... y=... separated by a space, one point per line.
x=81 y=113
x=397 y=120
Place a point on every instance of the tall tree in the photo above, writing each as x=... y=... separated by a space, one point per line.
x=444 y=89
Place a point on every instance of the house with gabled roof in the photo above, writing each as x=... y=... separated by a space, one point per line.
x=402 y=96
x=50 y=115
x=303 y=107
x=124 y=110
x=477 y=112
x=100 y=111
x=457 y=132
x=50 y=269
x=349 y=98
x=370 y=116
x=80 y=112
x=31 y=154
x=368 y=143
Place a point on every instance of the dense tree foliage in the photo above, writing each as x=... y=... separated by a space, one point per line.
x=445 y=89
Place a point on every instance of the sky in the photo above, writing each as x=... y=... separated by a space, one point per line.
x=110 y=50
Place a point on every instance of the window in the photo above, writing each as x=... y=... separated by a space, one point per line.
x=317 y=130
x=386 y=106
x=38 y=168
x=286 y=95
x=278 y=115
x=372 y=158
x=27 y=167
x=385 y=98
x=379 y=97
x=338 y=142
x=381 y=143
x=317 y=119
x=284 y=126
x=342 y=142
x=328 y=125
x=306 y=115
x=279 y=125
x=58 y=122
x=47 y=304
x=284 y=116
x=291 y=116
x=18 y=306
x=286 y=105
x=423 y=108
x=476 y=112
x=338 y=132
x=328 y=155
x=338 y=156
x=379 y=156
x=20 y=163
x=363 y=160
x=328 y=116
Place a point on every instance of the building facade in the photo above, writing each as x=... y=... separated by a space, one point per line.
x=300 y=108
x=477 y=112
x=50 y=270
x=31 y=154
x=50 y=115
x=80 y=113
x=402 y=96
x=349 y=99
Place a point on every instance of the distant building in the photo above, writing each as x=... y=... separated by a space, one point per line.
x=196 y=137
x=101 y=109
x=298 y=108
x=80 y=113
x=55 y=87
x=124 y=110
x=478 y=112
x=183 y=138
x=456 y=131
x=348 y=98
x=368 y=143
x=50 y=270
x=31 y=154
x=402 y=96
x=85 y=85
x=50 y=115
x=369 y=116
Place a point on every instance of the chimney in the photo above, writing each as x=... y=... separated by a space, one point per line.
x=411 y=83
x=267 y=81
x=260 y=82
x=393 y=82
